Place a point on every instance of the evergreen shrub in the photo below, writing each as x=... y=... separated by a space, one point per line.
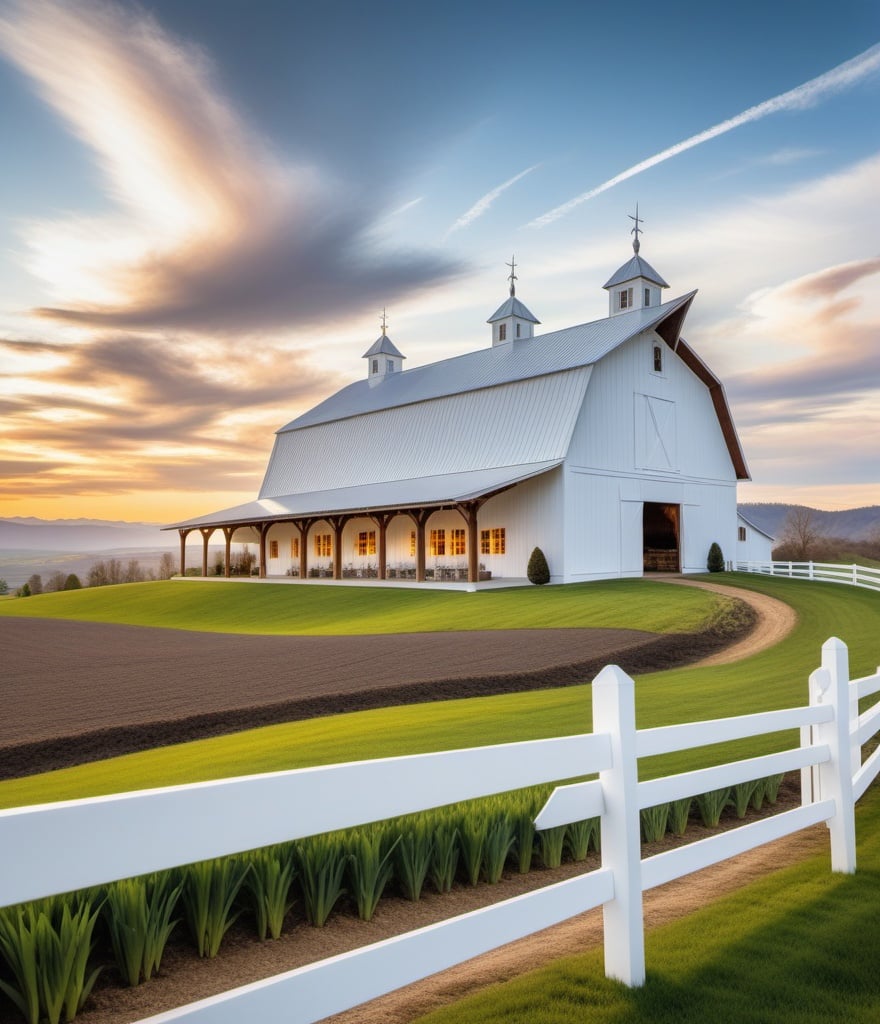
x=538 y=571
x=715 y=561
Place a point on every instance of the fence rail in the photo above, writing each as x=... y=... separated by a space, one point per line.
x=129 y=834
x=829 y=572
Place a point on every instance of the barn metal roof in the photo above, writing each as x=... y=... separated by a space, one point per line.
x=443 y=489
x=513 y=307
x=636 y=267
x=383 y=346
x=581 y=345
x=519 y=423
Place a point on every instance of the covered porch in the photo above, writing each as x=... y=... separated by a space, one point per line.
x=334 y=537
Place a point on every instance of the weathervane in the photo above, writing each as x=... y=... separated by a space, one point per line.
x=385 y=321
x=513 y=276
x=636 y=230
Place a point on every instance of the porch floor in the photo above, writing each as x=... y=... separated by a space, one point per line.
x=465 y=587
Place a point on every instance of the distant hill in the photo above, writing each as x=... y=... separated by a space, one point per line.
x=87 y=535
x=43 y=546
x=850 y=523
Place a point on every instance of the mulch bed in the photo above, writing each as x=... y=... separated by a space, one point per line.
x=75 y=692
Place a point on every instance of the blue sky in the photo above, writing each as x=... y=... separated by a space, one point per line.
x=205 y=206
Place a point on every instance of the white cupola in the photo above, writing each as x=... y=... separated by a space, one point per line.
x=636 y=284
x=512 y=321
x=383 y=357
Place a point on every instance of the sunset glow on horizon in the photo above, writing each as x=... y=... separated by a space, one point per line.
x=204 y=215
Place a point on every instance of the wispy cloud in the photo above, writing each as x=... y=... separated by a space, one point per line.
x=93 y=412
x=811 y=413
x=211 y=229
x=799 y=98
x=483 y=204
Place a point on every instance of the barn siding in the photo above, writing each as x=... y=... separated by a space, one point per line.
x=611 y=469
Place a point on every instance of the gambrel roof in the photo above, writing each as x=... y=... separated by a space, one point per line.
x=460 y=428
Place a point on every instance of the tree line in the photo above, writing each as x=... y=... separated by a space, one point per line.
x=104 y=573
x=802 y=539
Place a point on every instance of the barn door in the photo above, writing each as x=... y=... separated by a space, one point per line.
x=661 y=532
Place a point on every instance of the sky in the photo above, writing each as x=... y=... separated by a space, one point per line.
x=206 y=205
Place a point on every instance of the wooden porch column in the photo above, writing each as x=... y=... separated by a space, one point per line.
x=264 y=531
x=468 y=510
x=206 y=532
x=228 y=531
x=382 y=519
x=303 y=525
x=338 y=525
x=183 y=535
x=420 y=516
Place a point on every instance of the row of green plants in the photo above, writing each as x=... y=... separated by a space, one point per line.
x=48 y=947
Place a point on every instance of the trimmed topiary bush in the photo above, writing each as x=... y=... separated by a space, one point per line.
x=715 y=561
x=538 y=571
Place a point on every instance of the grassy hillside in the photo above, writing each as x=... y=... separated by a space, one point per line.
x=220 y=607
x=776 y=678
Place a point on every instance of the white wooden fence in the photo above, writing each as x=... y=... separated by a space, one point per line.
x=830 y=572
x=59 y=847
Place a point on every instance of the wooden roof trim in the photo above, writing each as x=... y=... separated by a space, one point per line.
x=669 y=330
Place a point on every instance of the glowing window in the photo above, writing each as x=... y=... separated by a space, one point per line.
x=273 y=548
x=294 y=547
x=412 y=542
x=457 y=542
x=323 y=544
x=494 y=541
x=438 y=542
x=365 y=544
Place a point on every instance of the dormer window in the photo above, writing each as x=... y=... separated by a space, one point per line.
x=389 y=366
x=658 y=359
x=502 y=332
x=647 y=297
x=625 y=298
x=375 y=366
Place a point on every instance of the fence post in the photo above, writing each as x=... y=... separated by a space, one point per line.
x=818 y=684
x=614 y=714
x=835 y=776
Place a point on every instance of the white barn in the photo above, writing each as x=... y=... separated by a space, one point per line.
x=609 y=445
x=752 y=543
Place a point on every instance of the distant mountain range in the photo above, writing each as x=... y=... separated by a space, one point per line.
x=850 y=523
x=45 y=535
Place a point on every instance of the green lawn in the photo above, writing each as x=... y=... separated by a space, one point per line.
x=773 y=679
x=219 y=607
x=792 y=948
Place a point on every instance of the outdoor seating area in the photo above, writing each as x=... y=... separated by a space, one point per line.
x=439 y=573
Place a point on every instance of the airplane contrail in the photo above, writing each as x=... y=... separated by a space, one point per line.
x=481 y=205
x=802 y=96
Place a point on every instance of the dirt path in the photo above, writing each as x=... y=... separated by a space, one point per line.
x=775 y=620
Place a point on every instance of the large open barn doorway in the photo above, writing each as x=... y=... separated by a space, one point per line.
x=660 y=530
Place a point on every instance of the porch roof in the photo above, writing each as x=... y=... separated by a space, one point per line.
x=445 y=489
